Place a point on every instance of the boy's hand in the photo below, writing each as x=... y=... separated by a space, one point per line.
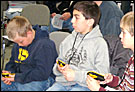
x=4 y=71
x=53 y=14
x=8 y=80
x=68 y=73
x=93 y=84
x=65 y=16
x=108 y=78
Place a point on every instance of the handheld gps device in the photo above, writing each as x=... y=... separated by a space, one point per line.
x=61 y=63
x=96 y=75
x=6 y=75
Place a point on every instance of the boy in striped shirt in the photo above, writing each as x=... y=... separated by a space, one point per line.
x=127 y=82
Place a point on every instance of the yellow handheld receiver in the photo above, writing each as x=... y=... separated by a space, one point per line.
x=96 y=76
x=6 y=75
x=61 y=63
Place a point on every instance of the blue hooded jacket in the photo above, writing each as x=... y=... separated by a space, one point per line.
x=110 y=18
x=34 y=62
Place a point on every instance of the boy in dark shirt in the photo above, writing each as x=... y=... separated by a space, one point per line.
x=32 y=59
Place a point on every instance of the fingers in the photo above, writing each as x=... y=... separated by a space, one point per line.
x=63 y=68
x=6 y=81
x=53 y=14
x=69 y=74
x=66 y=16
x=4 y=71
x=108 y=76
x=62 y=17
x=102 y=82
x=89 y=79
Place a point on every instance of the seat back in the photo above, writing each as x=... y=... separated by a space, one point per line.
x=118 y=55
x=58 y=37
x=37 y=14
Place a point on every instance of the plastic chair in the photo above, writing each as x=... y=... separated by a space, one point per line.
x=58 y=37
x=37 y=14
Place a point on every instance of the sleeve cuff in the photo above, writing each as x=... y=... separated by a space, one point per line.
x=102 y=89
x=114 y=82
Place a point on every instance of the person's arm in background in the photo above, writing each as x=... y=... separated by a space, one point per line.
x=69 y=12
x=111 y=27
x=110 y=18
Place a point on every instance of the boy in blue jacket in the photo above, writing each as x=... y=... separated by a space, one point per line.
x=32 y=58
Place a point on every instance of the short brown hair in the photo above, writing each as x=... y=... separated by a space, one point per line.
x=18 y=24
x=127 y=22
x=89 y=9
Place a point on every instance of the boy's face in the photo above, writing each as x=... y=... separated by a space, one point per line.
x=79 y=22
x=24 y=41
x=126 y=39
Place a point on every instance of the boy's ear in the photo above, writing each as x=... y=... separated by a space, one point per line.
x=90 y=22
x=29 y=32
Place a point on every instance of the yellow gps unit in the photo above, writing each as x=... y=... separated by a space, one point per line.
x=61 y=63
x=96 y=75
x=6 y=75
